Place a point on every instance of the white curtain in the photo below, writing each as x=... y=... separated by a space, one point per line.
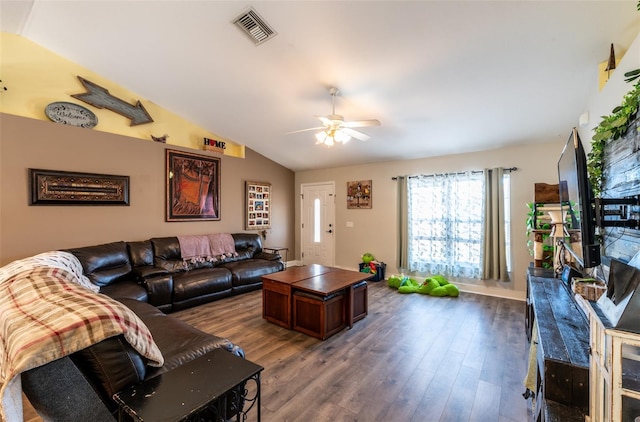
x=445 y=227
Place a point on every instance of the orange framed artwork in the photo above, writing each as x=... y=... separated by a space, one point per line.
x=193 y=187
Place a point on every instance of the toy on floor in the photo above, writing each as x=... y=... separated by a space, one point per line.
x=436 y=285
x=370 y=263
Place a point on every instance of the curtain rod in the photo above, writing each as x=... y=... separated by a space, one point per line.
x=506 y=170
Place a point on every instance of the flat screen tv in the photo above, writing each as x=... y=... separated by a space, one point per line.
x=576 y=197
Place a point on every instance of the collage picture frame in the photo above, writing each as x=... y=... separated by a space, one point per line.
x=258 y=205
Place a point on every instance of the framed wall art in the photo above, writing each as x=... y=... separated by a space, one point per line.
x=258 y=205
x=52 y=187
x=359 y=194
x=193 y=187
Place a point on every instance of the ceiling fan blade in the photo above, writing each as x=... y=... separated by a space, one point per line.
x=355 y=134
x=362 y=123
x=325 y=121
x=305 y=130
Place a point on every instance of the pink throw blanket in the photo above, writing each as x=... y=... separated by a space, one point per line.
x=195 y=248
x=222 y=244
x=211 y=247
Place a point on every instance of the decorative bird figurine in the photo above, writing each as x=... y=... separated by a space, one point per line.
x=611 y=65
x=162 y=138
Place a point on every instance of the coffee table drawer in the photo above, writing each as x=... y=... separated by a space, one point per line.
x=360 y=301
x=276 y=303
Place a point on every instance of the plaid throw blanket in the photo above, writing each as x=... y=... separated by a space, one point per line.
x=55 y=259
x=45 y=315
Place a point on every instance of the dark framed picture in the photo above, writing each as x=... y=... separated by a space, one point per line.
x=193 y=187
x=258 y=205
x=53 y=187
x=359 y=194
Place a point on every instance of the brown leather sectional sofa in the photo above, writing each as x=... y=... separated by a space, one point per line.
x=153 y=271
x=150 y=278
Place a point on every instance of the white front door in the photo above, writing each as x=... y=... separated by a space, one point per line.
x=318 y=223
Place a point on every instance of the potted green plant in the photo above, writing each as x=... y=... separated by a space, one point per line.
x=539 y=231
x=612 y=127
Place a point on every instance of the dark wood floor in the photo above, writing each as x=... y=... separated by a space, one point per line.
x=413 y=358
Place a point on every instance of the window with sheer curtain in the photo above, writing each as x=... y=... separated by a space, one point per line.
x=448 y=230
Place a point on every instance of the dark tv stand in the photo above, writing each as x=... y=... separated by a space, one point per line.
x=562 y=356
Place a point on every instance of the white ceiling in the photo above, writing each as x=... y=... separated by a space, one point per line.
x=443 y=77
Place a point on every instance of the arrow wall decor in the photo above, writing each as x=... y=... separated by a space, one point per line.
x=99 y=97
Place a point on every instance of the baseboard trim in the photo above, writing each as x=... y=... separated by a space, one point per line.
x=488 y=291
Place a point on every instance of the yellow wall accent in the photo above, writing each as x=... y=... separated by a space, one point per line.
x=603 y=75
x=36 y=77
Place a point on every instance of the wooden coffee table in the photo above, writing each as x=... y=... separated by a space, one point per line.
x=323 y=298
x=328 y=283
x=277 y=294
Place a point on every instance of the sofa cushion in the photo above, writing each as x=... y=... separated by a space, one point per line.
x=111 y=365
x=202 y=282
x=140 y=253
x=240 y=256
x=167 y=255
x=247 y=242
x=178 y=341
x=250 y=271
x=126 y=289
x=104 y=264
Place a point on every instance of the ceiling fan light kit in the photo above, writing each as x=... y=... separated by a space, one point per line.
x=329 y=137
x=336 y=129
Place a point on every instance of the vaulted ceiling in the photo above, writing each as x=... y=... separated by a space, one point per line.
x=443 y=77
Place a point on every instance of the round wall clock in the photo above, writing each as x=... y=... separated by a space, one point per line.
x=71 y=114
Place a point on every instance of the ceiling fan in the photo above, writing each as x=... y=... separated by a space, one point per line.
x=336 y=129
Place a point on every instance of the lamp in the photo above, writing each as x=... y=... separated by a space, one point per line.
x=558 y=232
x=331 y=136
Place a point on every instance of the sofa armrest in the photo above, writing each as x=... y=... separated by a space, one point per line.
x=148 y=271
x=268 y=256
x=159 y=291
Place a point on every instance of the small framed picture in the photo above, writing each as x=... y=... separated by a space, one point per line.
x=258 y=207
x=359 y=194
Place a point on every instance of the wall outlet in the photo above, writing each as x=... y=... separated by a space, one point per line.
x=349 y=223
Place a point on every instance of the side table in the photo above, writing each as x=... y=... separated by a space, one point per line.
x=207 y=388
x=278 y=249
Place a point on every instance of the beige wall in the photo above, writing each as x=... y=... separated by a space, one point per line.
x=374 y=230
x=26 y=230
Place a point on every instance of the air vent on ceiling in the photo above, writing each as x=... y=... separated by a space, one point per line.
x=254 y=26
